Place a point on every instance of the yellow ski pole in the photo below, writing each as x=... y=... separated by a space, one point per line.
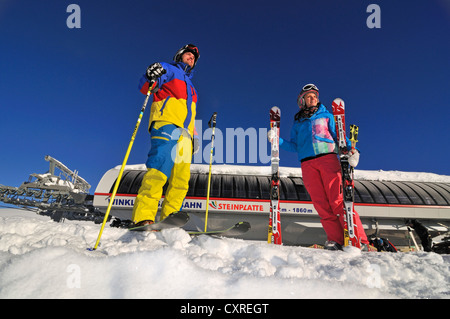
x=119 y=177
x=354 y=135
x=211 y=123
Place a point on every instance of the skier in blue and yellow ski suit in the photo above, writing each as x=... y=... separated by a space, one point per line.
x=172 y=119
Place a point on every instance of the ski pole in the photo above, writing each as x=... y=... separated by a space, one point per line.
x=119 y=177
x=211 y=123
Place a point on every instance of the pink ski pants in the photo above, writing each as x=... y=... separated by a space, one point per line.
x=323 y=178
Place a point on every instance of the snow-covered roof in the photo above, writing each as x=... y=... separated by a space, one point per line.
x=374 y=175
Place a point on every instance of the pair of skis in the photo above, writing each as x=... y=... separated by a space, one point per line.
x=179 y=219
x=351 y=236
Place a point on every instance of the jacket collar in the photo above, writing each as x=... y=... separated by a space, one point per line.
x=185 y=68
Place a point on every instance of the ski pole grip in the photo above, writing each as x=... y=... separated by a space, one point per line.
x=212 y=121
x=354 y=135
x=153 y=86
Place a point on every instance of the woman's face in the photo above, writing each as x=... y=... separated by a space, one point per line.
x=310 y=99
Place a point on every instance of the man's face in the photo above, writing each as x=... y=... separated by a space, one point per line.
x=188 y=58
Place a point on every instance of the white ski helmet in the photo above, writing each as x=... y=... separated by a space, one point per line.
x=308 y=88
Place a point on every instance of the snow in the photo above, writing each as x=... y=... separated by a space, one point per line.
x=43 y=259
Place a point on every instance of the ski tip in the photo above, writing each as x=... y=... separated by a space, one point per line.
x=181 y=214
x=338 y=106
x=275 y=113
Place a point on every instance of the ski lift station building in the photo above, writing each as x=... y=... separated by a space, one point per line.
x=242 y=194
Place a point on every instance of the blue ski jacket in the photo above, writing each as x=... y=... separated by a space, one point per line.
x=314 y=136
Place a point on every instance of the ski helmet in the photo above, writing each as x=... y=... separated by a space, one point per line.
x=187 y=48
x=308 y=88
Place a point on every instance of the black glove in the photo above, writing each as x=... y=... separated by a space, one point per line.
x=154 y=71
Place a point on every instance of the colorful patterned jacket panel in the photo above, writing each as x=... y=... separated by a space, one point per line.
x=313 y=136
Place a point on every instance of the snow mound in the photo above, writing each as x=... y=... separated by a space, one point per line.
x=43 y=259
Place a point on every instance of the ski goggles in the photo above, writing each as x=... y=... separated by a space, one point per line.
x=193 y=49
x=190 y=48
x=309 y=87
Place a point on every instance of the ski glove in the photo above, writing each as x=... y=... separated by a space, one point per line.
x=353 y=160
x=270 y=135
x=154 y=71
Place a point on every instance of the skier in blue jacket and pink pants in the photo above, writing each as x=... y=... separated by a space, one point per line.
x=313 y=137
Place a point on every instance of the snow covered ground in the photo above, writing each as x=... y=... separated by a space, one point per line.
x=43 y=259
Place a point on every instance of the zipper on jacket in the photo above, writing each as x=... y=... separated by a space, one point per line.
x=164 y=105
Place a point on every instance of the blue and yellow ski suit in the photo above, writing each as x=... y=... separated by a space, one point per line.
x=172 y=119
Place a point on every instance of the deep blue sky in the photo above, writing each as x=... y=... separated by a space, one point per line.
x=72 y=93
